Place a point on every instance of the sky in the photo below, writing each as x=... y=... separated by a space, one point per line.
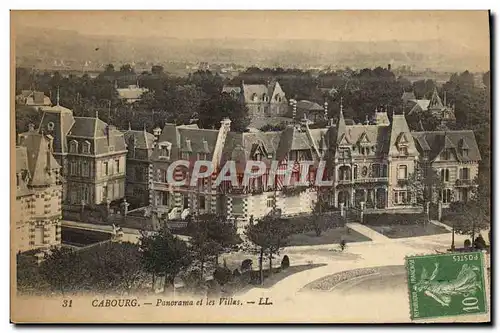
x=466 y=28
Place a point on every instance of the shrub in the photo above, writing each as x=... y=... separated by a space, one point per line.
x=222 y=275
x=285 y=263
x=467 y=243
x=394 y=219
x=479 y=243
x=246 y=265
x=193 y=279
x=236 y=273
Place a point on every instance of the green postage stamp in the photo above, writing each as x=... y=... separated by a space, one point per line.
x=446 y=285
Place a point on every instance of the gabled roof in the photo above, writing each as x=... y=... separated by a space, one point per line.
x=420 y=105
x=435 y=102
x=398 y=127
x=259 y=90
x=439 y=140
x=408 y=95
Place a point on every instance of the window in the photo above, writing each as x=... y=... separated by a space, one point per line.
x=277 y=98
x=445 y=196
x=403 y=151
x=464 y=174
x=185 y=155
x=86 y=147
x=445 y=154
x=162 y=173
x=105 y=168
x=86 y=194
x=104 y=193
x=164 y=151
x=265 y=98
x=255 y=98
x=355 y=171
x=270 y=201
x=376 y=170
x=73 y=168
x=73 y=147
x=50 y=126
x=384 y=170
x=17 y=179
x=117 y=165
x=85 y=169
x=445 y=175
x=202 y=156
x=202 y=202
x=465 y=152
x=402 y=172
x=402 y=197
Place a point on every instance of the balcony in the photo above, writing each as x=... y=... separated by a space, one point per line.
x=344 y=181
x=371 y=180
x=464 y=182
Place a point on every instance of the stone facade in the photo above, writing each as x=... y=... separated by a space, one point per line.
x=369 y=165
x=37 y=209
x=140 y=146
x=92 y=155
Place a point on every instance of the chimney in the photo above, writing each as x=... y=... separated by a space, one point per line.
x=325 y=107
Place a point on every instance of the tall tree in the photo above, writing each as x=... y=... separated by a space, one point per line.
x=164 y=254
x=213 y=110
x=268 y=235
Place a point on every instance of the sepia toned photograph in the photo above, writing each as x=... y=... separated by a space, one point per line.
x=282 y=166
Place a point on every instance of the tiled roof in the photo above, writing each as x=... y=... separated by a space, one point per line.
x=39 y=159
x=398 y=126
x=143 y=139
x=408 y=95
x=308 y=105
x=420 y=105
x=88 y=127
x=255 y=90
x=435 y=142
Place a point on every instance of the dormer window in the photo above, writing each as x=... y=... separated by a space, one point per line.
x=86 y=147
x=265 y=98
x=465 y=152
x=202 y=156
x=165 y=150
x=403 y=151
x=50 y=126
x=277 y=98
x=73 y=147
x=255 y=98
x=445 y=155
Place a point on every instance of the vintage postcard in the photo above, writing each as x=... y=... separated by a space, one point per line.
x=250 y=166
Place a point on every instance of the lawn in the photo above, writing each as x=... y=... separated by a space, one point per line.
x=330 y=236
x=409 y=230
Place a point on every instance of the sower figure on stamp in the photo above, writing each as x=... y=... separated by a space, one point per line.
x=466 y=284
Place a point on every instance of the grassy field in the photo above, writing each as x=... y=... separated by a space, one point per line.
x=330 y=236
x=409 y=230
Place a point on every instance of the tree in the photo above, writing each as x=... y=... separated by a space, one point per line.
x=60 y=269
x=221 y=106
x=268 y=235
x=318 y=218
x=467 y=218
x=164 y=254
x=425 y=184
x=212 y=235
x=487 y=80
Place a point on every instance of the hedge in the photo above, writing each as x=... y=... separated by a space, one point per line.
x=394 y=219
